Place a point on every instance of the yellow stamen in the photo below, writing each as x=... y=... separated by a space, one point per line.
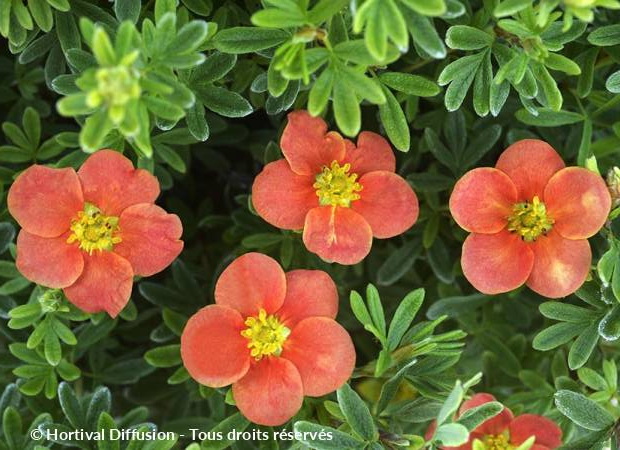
x=335 y=186
x=94 y=231
x=266 y=335
x=493 y=442
x=530 y=220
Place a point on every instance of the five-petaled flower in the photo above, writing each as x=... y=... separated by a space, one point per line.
x=529 y=218
x=506 y=432
x=340 y=194
x=89 y=232
x=272 y=335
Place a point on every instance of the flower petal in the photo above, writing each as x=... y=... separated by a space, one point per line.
x=45 y=200
x=271 y=392
x=495 y=425
x=105 y=284
x=530 y=163
x=579 y=202
x=560 y=265
x=282 y=197
x=547 y=432
x=251 y=282
x=482 y=200
x=496 y=263
x=111 y=182
x=337 y=234
x=150 y=238
x=386 y=195
x=50 y=262
x=373 y=152
x=307 y=145
x=212 y=348
x=323 y=353
x=308 y=293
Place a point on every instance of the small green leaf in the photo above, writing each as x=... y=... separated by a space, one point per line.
x=463 y=37
x=248 y=39
x=357 y=413
x=583 y=411
x=404 y=315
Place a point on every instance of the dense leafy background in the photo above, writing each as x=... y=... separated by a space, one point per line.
x=450 y=82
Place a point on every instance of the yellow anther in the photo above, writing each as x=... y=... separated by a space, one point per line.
x=266 y=335
x=94 y=231
x=530 y=220
x=335 y=186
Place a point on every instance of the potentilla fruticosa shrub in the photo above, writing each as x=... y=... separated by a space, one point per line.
x=329 y=224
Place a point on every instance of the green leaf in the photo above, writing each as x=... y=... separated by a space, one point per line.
x=613 y=83
x=324 y=10
x=365 y=87
x=71 y=406
x=605 y=36
x=166 y=356
x=375 y=308
x=451 y=434
x=188 y=38
x=197 y=123
x=106 y=423
x=127 y=10
x=248 y=39
x=592 y=379
x=451 y=404
x=556 y=335
x=482 y=86
x=346 y=109
x=548 y=118
x=52 y=348
x=424 y=34
x=404 y=315
x=42 y=14
x=567 y=312
x=12 y=427
x=474 y=417
x=556 y=61
x=549 y=86
x=215 y=67
x=102 y=48
x=510 y=7
x=357 y=413
x=463 y=37
x=394 y=121
x=94 y=131
x=320 y=92
x=410 y=84
x=100 y=402
x=7 y=234
x=583 y=411
x=164 y=6
x=399 y=262
x=426 y=7
x=224 y=102
x=318 y=437
x=279 y=18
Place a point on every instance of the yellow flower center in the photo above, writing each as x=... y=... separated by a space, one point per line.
x=497 y=442
x=94 y=231
x=265 y=334
x=530 y=220
x=335 y=186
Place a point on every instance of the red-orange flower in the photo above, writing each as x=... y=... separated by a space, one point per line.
x=90 y=232
x=529 y=219
x=272 y=335
x=340 y=194
x=506 y=432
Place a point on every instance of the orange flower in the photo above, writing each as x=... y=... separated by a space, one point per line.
x=90 y=232
x=506 y=432
x=529 y=219
x=339 y=194
x=272 y=335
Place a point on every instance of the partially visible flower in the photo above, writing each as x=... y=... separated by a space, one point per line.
x=272 y=335
x=88 y=233
x=506 y=432
x=340 y=194
x=529 y=218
